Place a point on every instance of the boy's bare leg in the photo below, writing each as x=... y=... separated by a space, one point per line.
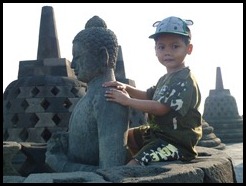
x=131 y=143
x=133 y=148
x=132 y=162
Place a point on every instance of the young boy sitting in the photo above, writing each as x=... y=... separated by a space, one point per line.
x=174 y=126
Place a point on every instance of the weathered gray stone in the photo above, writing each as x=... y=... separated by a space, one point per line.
x=35 y=158
x=209 y=139
x=41 y=100
x=221 y=112
x=66 y=177
x=13 y=179
x=10 y=149
x=211 y=166
x=48 y=44
x=97 y=128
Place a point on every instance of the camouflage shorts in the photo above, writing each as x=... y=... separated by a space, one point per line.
x=153 y=148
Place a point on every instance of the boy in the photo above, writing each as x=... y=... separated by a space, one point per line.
x=174 y=126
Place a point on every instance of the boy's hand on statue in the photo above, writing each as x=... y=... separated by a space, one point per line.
x=116 y=84
x=116 y=95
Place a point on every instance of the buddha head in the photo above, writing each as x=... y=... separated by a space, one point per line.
x=95 y=49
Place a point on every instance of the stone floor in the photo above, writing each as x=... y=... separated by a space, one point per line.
x=235 y=151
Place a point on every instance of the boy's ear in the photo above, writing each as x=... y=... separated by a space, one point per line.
x=103 y=56
x=190 y=48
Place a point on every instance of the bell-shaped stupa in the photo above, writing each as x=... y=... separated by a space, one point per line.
x=41 y=100
x=221 y=112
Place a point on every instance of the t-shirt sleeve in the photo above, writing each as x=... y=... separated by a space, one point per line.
x=150 y=92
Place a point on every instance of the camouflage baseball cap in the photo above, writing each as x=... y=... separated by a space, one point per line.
x=173 y=25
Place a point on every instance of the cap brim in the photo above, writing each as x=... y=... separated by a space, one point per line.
x=157 y=34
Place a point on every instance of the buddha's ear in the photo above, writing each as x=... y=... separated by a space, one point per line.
x=103 y=56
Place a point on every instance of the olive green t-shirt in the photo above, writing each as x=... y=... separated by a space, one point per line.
x=182 y=125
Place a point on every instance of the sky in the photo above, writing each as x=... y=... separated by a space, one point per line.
x=217 y=38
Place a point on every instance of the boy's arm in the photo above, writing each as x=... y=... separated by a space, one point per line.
x=136 y=93
x=148 y=106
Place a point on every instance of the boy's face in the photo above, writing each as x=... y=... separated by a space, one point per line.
x=171 y=51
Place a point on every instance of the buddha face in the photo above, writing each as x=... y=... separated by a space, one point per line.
x=85 y=64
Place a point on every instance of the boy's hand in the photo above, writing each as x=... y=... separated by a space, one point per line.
x=116 y=95
x=116 y=84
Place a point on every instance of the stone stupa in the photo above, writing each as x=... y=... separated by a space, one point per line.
x=209 y=139
x=221 y=112
x=41 y=100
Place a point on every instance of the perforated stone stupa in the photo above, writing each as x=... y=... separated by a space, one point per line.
x=221 y=112
x=41 y=100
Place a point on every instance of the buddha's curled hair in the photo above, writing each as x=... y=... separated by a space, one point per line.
x=95 y=21
x=95 y=36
